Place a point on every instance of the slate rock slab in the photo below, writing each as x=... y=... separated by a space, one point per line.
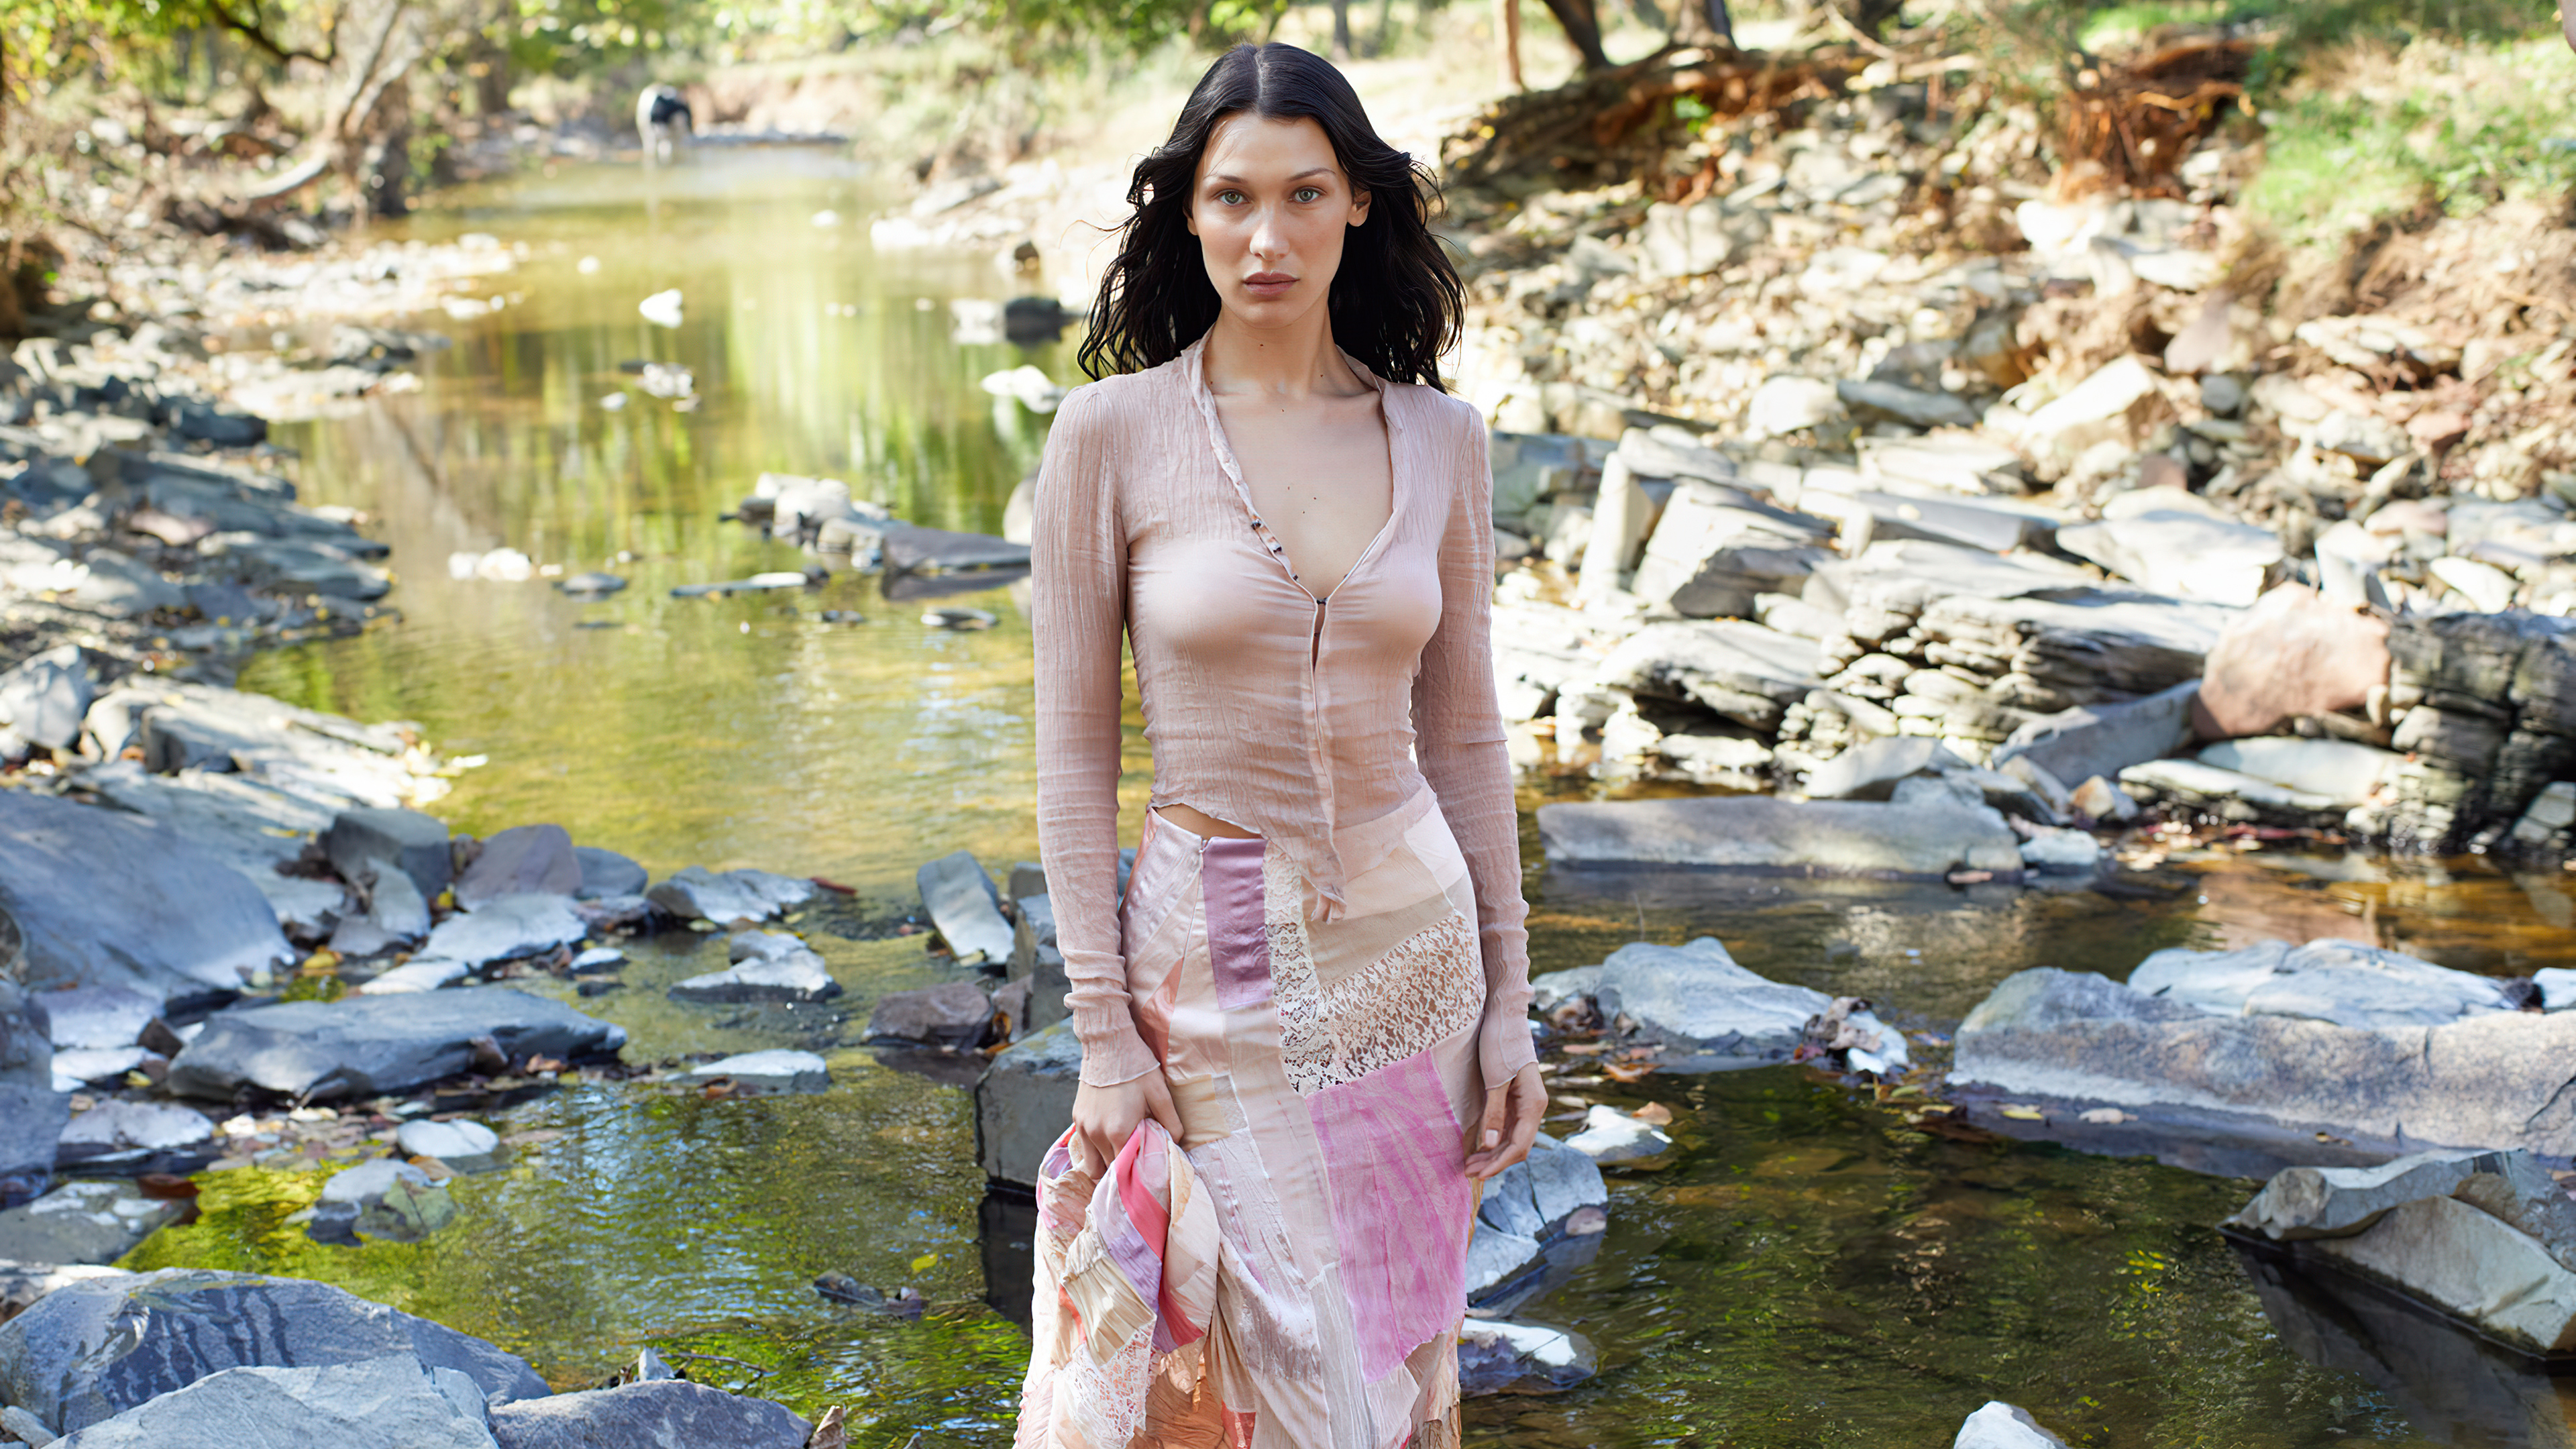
x=2077 y=744
x=384 y=1198
x=90 y=1351
x=966 y=908
x=1708 y=1012
x=383 y=1403
x=32 y=1113
x=364 y=1046
x=1539 y=1221
x=83 y=1222
x=653 y=1414
x=957 y=1014
x=522 y=860
x=775 y=1070
x=768 y=966
x=2494 y=1080
x=605 y=873
x=103 y=898
x=464 y=1146
x=698 y=894
x=1887 y=840
x=411 y=842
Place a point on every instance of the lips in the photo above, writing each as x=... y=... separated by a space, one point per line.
x=1269 y=284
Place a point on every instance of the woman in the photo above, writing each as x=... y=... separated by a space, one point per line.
x=1316 y=983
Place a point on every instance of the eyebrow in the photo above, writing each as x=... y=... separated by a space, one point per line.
x=1300 y=176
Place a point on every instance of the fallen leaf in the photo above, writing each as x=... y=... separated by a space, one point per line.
x=922 y=1263
x=2025 y=1114
x=1628 y=1071
x=1654 y=1114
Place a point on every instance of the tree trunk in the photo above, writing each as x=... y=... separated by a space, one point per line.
x=1582 y=23
x=1342 y=31
x=1703 y=23
x=1508 y=13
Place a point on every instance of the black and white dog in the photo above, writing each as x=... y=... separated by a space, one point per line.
x=662 y=120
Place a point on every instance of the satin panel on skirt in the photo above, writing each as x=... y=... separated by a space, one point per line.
x=1326 y=1080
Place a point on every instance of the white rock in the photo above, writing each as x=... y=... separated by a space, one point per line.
x=2340 y=770
x=2557 y=987
x=465 y=1146
x=2062 y=852
x=776 y=1069
x=1610 y=1135
x=662 y=309
x=2344 y=982
x=2003 y=1426
x=2485 y=586
x=1790 y=404
x=2448 y=1253
x=123 y=1126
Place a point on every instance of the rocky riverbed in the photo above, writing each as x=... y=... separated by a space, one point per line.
x=1902 y=632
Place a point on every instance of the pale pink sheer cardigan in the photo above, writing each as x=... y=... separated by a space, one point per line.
x=1288 y=717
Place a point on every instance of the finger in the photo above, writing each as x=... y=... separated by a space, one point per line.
x=1489 y=1137
x=1158 y=1102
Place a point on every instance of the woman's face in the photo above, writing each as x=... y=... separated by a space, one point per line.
x=1270 y=209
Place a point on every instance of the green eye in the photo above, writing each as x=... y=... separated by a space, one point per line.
x=1309 y=193
x=1230 y=198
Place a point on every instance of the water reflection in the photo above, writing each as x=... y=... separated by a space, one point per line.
x=2453 y=1386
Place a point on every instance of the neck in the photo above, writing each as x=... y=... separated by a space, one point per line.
x=1295 y=361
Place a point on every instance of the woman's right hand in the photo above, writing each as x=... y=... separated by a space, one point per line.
x=1105 y=1117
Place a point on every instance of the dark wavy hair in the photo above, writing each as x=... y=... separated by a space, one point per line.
x=1395 y=303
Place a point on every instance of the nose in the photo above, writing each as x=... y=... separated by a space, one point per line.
x=1270 y=238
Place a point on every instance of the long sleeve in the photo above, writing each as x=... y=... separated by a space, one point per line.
x=1459 y=741
x=1078 y=582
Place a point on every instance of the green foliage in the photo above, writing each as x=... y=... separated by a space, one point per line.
x=2460 y=127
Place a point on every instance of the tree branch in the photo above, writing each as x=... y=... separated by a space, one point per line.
x=250 y=28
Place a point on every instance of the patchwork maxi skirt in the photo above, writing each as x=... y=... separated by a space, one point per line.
x=1294 y=1277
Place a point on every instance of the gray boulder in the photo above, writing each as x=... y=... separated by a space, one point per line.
x=98 y=1016
x=1734 y=669
x=45 y=698
x=966 y=909
x=957 y=1014
x=2336 y=1202
x=1537 y=1222
x=1036 y=960
x=1708 y=1013
x=103 y=898
x=1756 y=832
x=698 y=894
x=605 y=873
x=415 y=844
x=1024 y=1103
x=652 y=1414
x=32 y=1113
x=2489 y=1080
x=2089 y=740
x=382 y=1403
x=121 y=1129
x=89 y=1351
x=768 y=966
x=82 y=1222
x=523 y=860
x=367 y=1046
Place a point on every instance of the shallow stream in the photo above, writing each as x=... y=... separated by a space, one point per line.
x=1808 y=1270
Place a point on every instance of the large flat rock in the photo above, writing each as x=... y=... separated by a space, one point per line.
x=646 y=1415
x=32 y=1113
x=2078 y=744
x=382 y=1403
x=104 y=898
x=91 y=1350
x=2497 y=1081
x=1760 y=832
x=363 y=1046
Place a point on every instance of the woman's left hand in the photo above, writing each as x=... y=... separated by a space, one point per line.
x=1512 y=1111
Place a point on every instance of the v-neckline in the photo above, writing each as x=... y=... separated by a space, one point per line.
x=1272 y=543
